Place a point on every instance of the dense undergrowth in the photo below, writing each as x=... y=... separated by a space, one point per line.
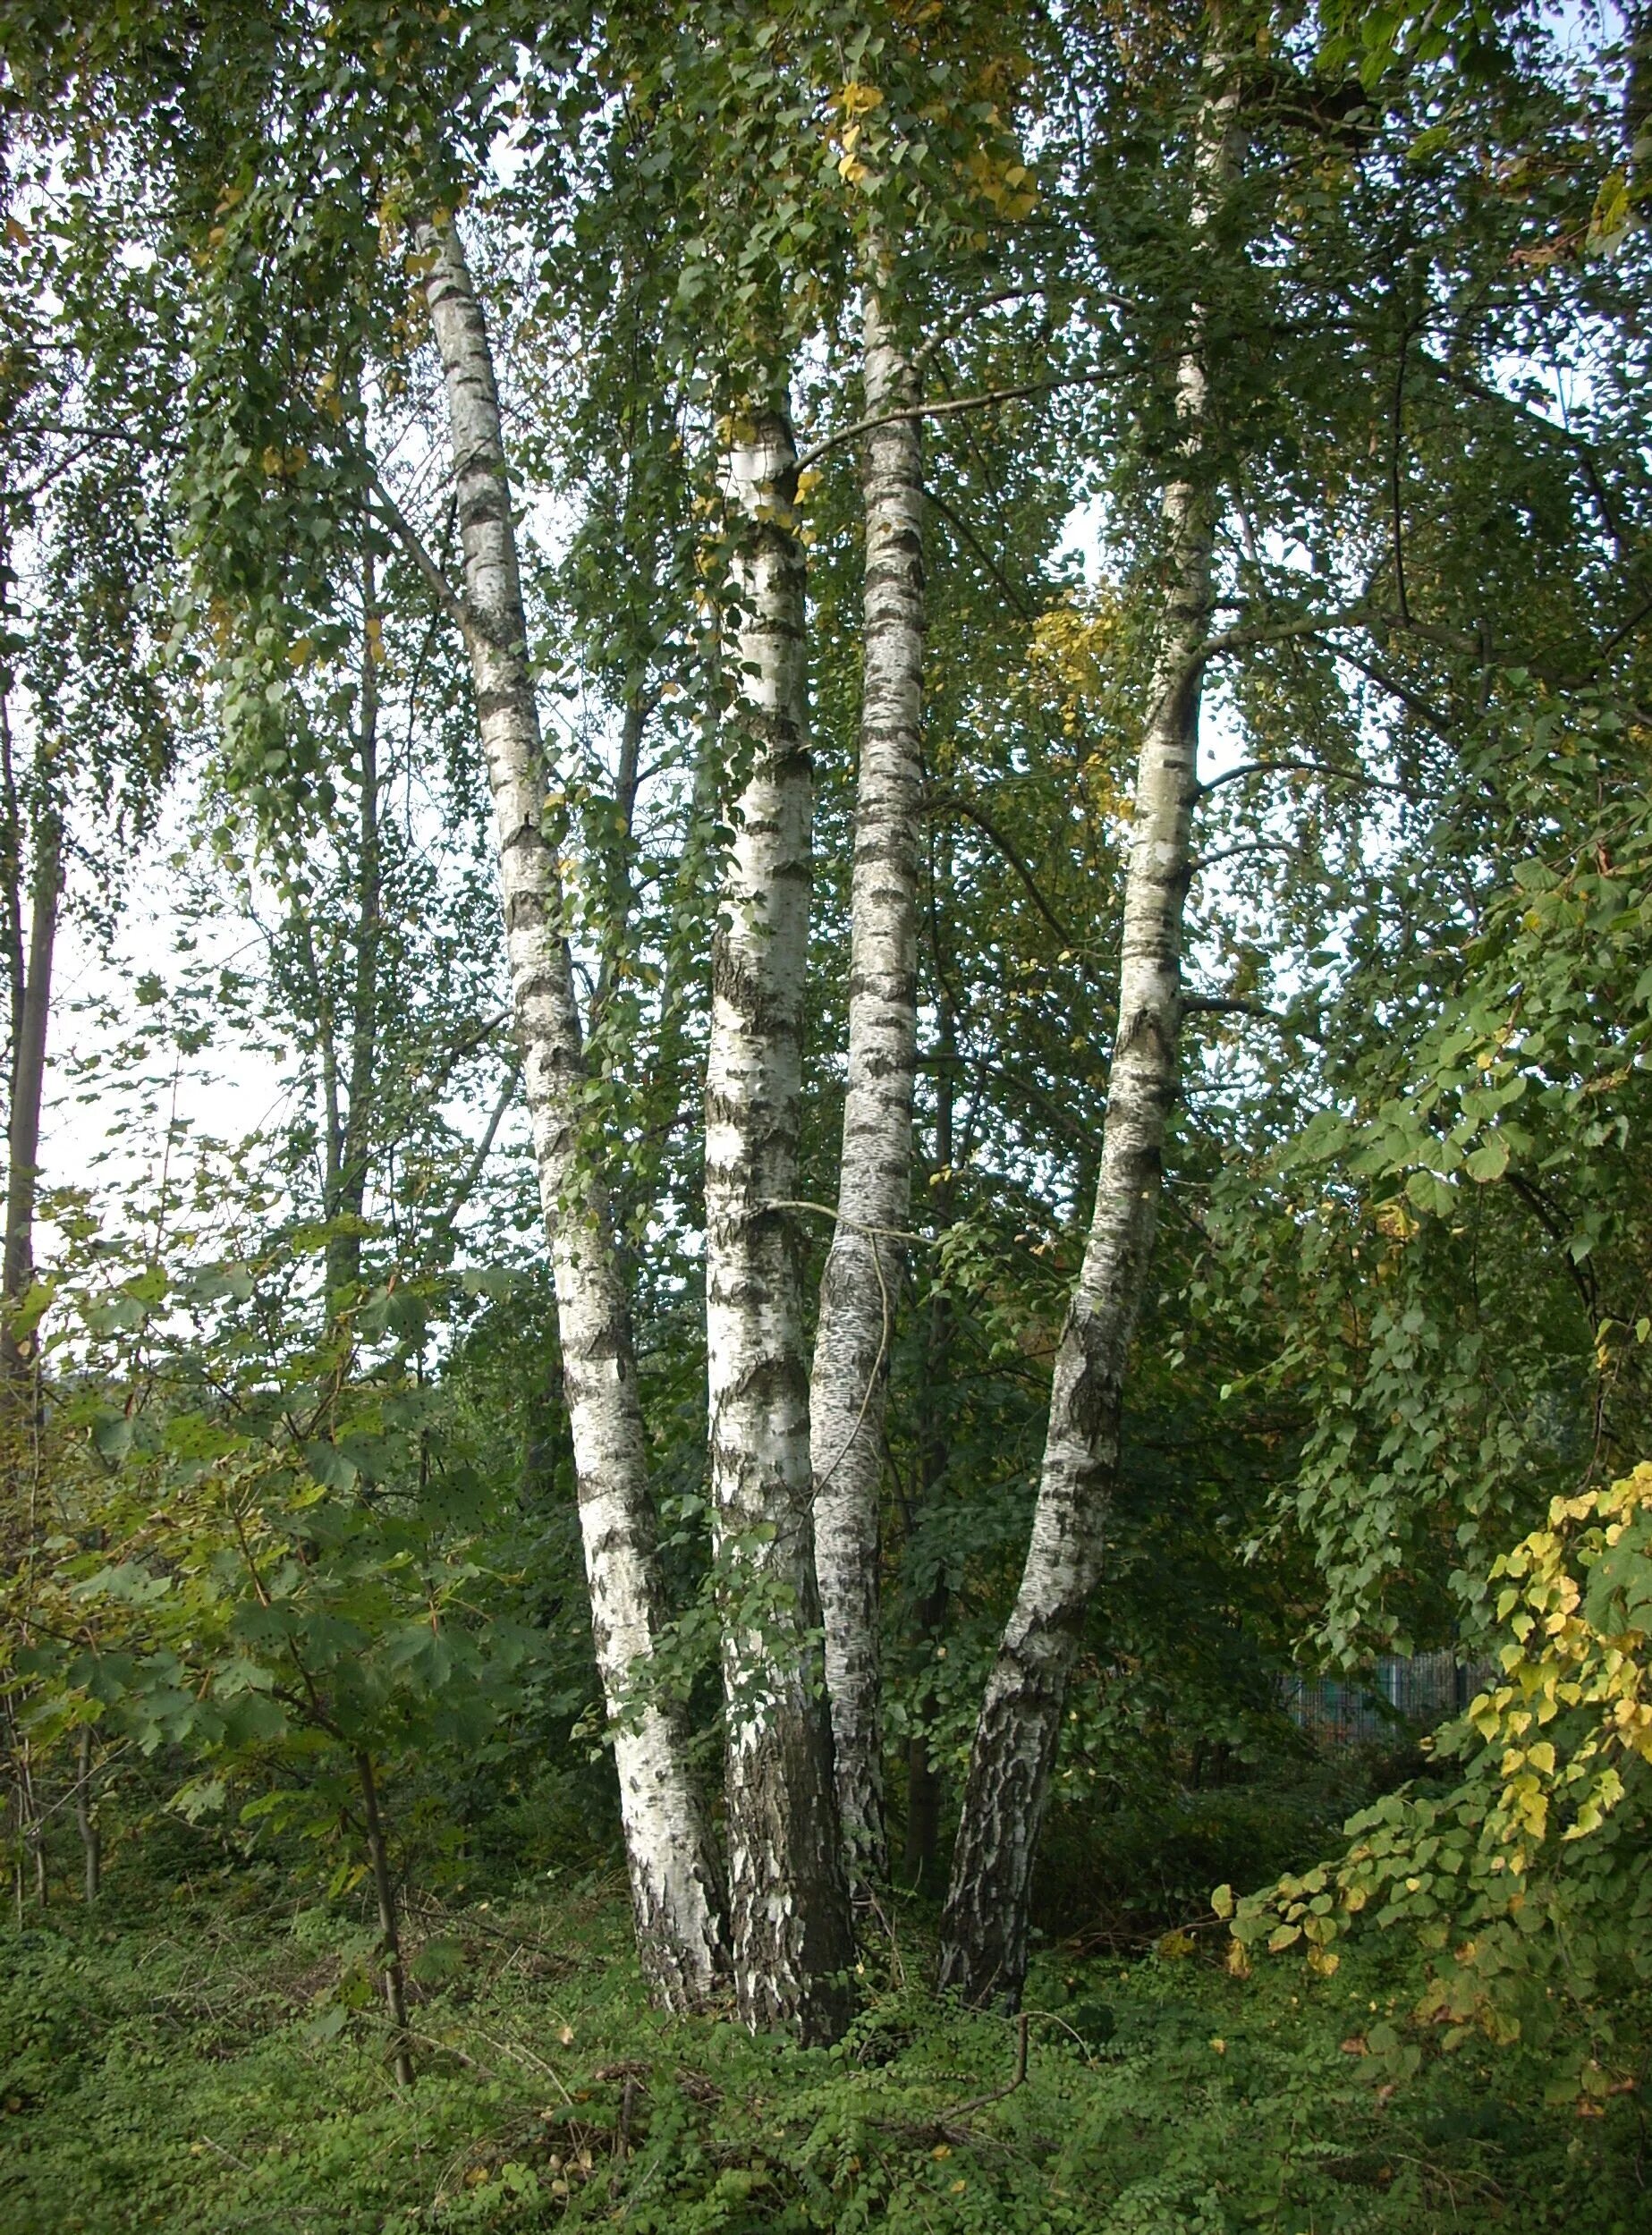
x=202 y=2055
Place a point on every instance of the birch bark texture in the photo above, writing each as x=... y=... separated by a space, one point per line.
x=985 y=1925
x=32 y=1009
x=866 y=1267
x=673 y=1881
x=788 y=1899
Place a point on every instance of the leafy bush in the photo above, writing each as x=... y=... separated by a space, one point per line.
x=1524 y=1883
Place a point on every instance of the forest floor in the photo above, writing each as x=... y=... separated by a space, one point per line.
x=219 y=2064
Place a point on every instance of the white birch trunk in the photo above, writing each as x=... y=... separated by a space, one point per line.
x=788 y=1903
x=983 y=1930
x=866 y=1267
x=668 y=1850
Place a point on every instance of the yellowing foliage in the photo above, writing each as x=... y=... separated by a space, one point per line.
x=1076 y=659
x=1524 y=1882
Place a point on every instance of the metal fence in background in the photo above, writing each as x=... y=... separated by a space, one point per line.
x=1404 y=1695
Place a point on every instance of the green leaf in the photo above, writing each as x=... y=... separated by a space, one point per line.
x=112 y=1432
x=329 y=1466
x=1489 y=1161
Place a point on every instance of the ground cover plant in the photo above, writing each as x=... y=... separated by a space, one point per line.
x=224 y=2065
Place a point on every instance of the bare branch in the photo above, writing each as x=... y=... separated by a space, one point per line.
x=445 y=596
x=1007 y=848
x=1304 y=767
x=943 y=410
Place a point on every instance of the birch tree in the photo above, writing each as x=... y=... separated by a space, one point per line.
x=349 y=1135
x=673 y=1876
x=860 y=1288
x=29 y=969
x=788 y=1903
x=984 y=1932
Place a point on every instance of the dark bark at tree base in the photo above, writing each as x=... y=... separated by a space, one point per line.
x=389 y=1936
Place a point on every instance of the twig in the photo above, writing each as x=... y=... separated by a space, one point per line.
x=943 y=410
x=1017 y=2078
x=943 y=335
x=526 y=2056
x=855 y=1226
x=989 y=829
x=1302 y=767
x=933 y=497
x=446 y=596
x=229 y=2155
x=1225 y=1005
x=946 y=2125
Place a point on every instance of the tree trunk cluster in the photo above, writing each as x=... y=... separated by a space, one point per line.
x=795 y=1449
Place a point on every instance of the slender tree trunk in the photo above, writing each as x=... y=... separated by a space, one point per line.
x=788 y=1903
x=673 y=1874
x=28 y=1089
x=11 y=874
x=302 y=931
x=86 y=1817
x=30 y=1820
x=984 y=1933
x=389 y=1934
x=923 y=1780
x=349 y=1193
x=442 y=1231
x=866 y=1267
x=617 y=874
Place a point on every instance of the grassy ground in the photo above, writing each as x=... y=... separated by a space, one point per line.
x=219 y=2064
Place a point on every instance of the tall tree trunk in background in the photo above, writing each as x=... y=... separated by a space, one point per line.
x=866 y=1267
x=347 y=1195
x=617 y=879
x=984 y=1932
x=673 y=1874
x=28 y=1084
x=788 y=1900
x=923 y=1779
x=86 y=1817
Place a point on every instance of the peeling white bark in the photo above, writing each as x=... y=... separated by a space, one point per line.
x=673 y=1874
x=788 y=1904
x=984 y=1931
x=866 y=1268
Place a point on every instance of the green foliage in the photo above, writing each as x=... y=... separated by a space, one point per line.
x=213 y=2066
x=270 y=1552
x=1523 y=1880
x=300 y=1496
